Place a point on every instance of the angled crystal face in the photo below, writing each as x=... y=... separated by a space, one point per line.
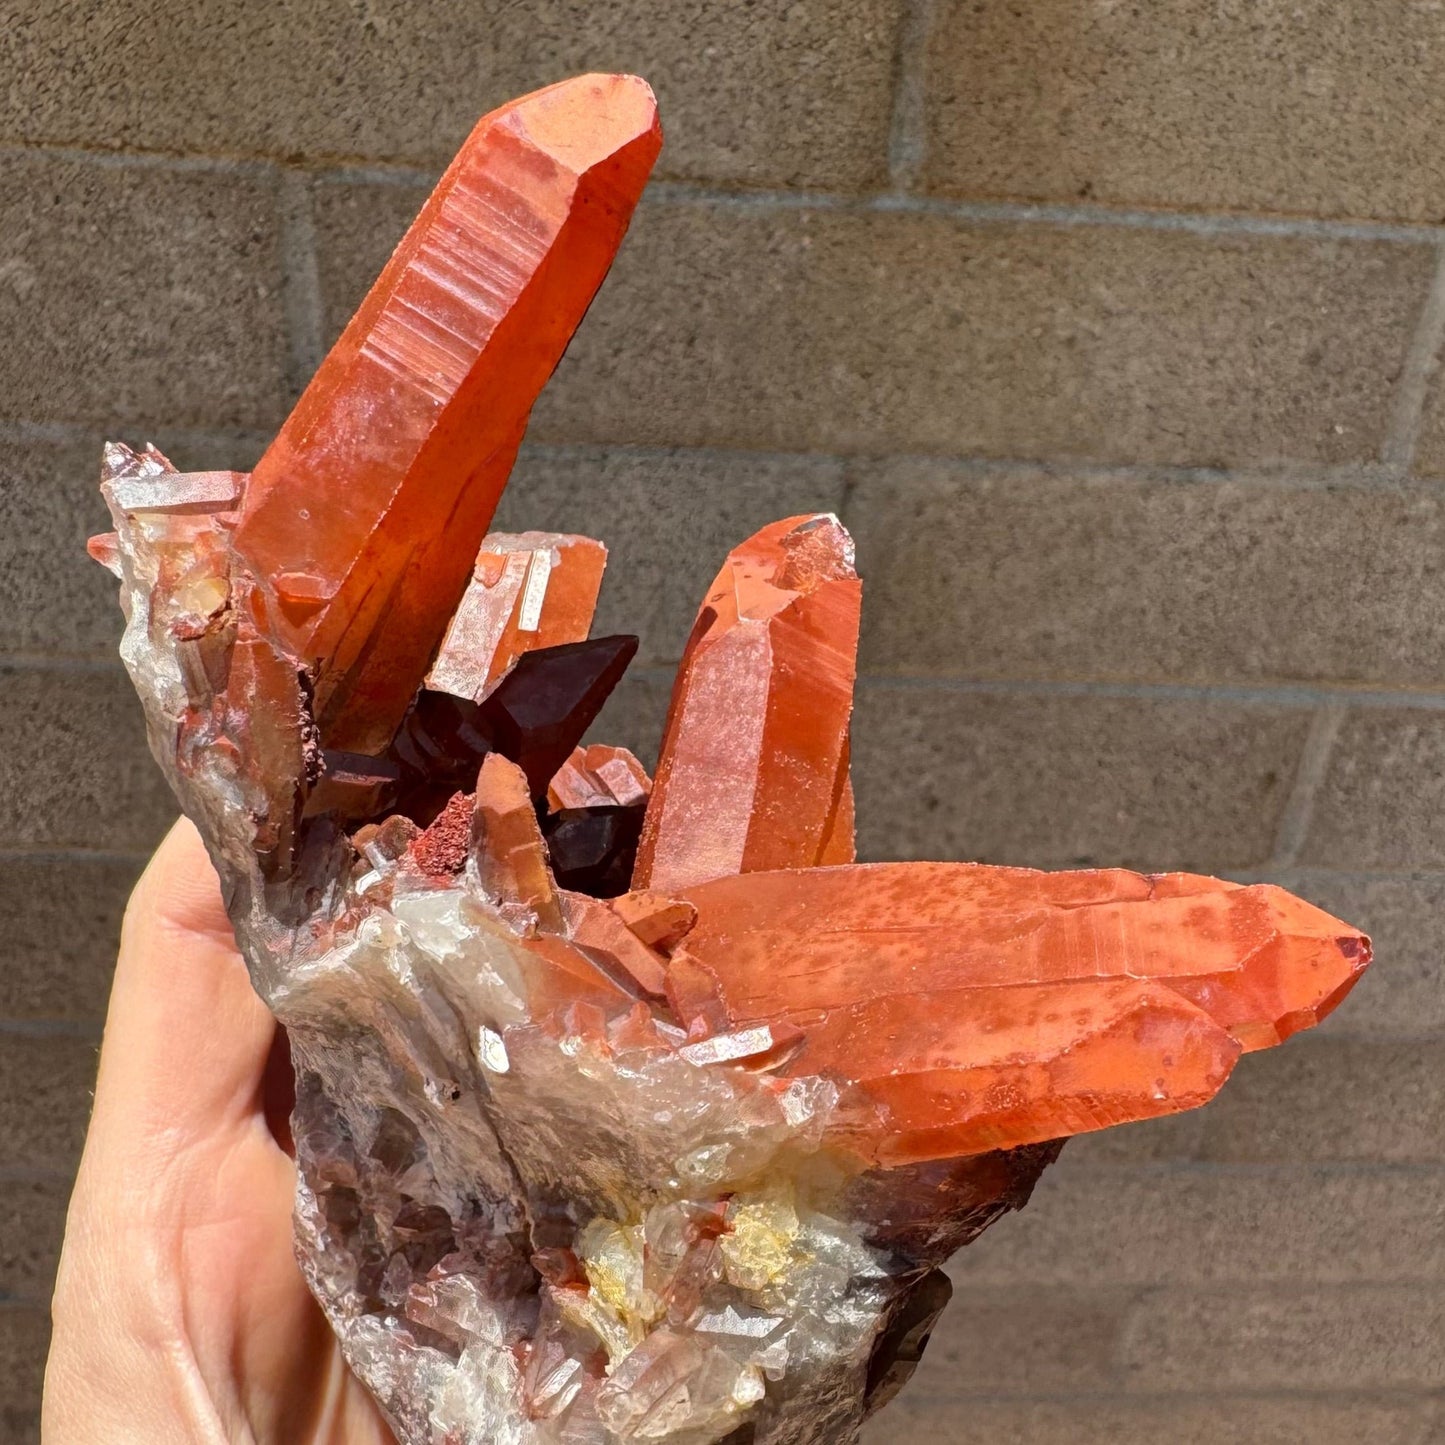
x=965 y=1008
x=753 y=772
x=627 y=1109
x=528 y=590
x=363 y=518
x=550 y=698
x=599 y=776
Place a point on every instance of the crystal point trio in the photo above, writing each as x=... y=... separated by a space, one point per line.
x=628 y=1108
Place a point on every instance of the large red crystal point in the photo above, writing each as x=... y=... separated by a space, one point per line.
x=753 y=772
x=969 y=1007
x=364 y=516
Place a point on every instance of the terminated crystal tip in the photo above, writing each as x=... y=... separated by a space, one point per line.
x=628 y=1109
x=404 y=439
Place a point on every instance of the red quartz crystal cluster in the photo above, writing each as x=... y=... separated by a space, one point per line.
x=380 y=682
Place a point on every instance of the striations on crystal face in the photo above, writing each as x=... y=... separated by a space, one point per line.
x=627 y=1110
x=364 y=516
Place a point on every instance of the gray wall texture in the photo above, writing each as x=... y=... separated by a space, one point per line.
x=1110 y=327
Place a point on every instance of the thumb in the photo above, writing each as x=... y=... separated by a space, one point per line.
x=186 y=1039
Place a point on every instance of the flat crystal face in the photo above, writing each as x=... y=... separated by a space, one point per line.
x=628 y=1108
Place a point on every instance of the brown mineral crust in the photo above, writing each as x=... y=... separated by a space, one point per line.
x=528 y=590
x=754 y=761
x=404 y=438
x=440 y=849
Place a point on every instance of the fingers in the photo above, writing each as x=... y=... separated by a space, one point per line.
x=186 y=1038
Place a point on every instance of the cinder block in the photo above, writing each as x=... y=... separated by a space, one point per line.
x=145 y=295
x=1352 y=1337
x=1267 y=107
x=1382 y=802
x=1065 y=780
x=877 y=331
x=1090 y=1226
x=1021 y=1340
x=53 y=598
x=927 y=1414
x=24 y=1340
x=1327 y=1099
x=669 y=518
x=62 y=927
x=1429 y=458
x=1016 y=572
x=1172 y=1139
x=771 y=94
x=793 y=329
x=203 y=451
x=32 y=1224
x=76 y=772
x=45 y=1096
x=357 y=228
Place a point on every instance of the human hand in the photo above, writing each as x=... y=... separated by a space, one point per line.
x=180 y=1314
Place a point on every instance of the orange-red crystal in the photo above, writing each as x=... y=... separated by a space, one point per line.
x=528 y=591
x=364 y=516
x=959 y=1008
x=599 y=776
x=754 y=766
x=970 y=1007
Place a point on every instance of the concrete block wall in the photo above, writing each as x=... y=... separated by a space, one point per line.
x=1110 y=327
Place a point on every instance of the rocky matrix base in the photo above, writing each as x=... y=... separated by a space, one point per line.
x=628 y=1109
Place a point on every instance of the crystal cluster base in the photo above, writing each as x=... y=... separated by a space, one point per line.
x=628 y=1109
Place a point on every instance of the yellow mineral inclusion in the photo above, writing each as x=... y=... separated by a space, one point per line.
x=612 y=1257
x=761 y=1247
